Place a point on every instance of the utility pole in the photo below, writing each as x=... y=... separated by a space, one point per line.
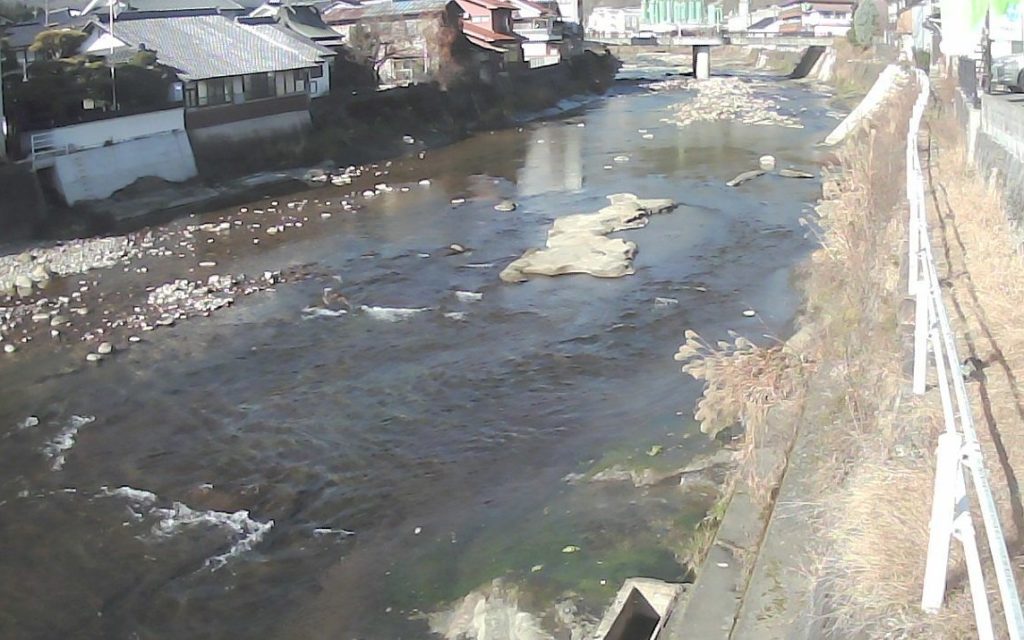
x=986 y=56
x=3 y=118
x=113 y=77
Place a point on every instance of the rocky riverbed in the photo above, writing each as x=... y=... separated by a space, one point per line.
x=105 y=292
x=729 y=98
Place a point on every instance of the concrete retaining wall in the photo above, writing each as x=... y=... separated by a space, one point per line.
x=1003 y=121
x=281 y=124
x=97 y=173
x=995 y=141
x=112 y=130
x=22 y=207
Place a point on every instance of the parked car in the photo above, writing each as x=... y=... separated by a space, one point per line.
x=1008 y=72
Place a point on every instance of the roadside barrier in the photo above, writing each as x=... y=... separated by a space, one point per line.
x=959 y=452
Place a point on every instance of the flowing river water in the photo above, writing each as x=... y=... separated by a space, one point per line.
x=409 y=458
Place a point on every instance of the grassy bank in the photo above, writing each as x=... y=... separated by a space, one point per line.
x=865 y=438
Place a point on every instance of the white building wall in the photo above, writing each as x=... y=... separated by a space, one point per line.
x=113 y=130
x=571 y=11
x=97 y=173
x=321 y=86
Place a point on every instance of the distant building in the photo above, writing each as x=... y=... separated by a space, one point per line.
x=20 y=36
x=303 y=19
x=818 y=18
x=487 y=24
x=571 y=11
x=670 y=15
x=237 y=80
x=406 y=35
x=541 y=27
x=608 y=22
x=1006 y=32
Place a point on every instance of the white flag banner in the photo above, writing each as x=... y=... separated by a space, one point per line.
x=960 y=34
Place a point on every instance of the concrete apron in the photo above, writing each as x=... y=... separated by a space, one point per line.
x=751 y=585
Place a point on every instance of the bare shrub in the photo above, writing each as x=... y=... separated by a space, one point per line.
x=742 y=380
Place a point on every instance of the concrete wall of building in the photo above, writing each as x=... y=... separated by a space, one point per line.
x=1001 y=120
x=96 y=173
x=112 y=130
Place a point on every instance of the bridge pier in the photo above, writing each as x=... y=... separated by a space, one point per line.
x=701 y=61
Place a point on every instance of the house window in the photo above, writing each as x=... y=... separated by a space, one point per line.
x=192 y=94
x=407 y=70
x=258 y=85
x=211 y=92
x=317 y=72
x=291 y=82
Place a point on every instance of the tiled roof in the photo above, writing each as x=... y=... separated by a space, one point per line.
x=474 y=30
x=483 y=44
x=341 y=12
x=208 y=45
x=543 y=10
x=303 y=19
x=762 y=23
x=492 y=4
x=97 y=7
x=173 y=5
x=280 y=35
x=21 y=34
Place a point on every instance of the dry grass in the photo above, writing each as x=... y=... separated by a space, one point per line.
x=875 y=536
x=742 y=383
x=980 y=252
x=876 y=448
x=872 y=440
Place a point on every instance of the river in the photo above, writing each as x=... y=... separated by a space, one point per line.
x=406 y=461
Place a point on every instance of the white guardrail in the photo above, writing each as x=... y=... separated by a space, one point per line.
x=959 y=453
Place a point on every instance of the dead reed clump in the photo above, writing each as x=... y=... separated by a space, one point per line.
x=742 y=382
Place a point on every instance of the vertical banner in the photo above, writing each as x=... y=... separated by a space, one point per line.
x=961 y=26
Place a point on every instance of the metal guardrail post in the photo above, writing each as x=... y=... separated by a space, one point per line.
x=948 y=361
x=940 y=529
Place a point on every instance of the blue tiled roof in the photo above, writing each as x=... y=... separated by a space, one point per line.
x=209 y=46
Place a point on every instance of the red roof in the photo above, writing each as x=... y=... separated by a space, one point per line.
x=483 y=44
x=491 y=4
x=473 y=30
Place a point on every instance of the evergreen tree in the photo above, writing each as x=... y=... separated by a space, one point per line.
x=865 y=22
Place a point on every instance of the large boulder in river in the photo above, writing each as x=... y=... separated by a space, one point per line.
x=578 y=243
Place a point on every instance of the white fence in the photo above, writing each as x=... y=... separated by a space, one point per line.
x=959 y=452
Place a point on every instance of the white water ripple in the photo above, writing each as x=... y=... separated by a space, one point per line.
x=391 y=314
x=244 y=530
x=57 y=448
